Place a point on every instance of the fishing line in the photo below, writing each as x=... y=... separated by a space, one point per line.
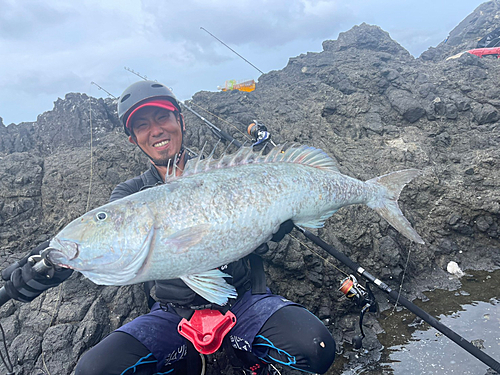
x=318 y=255
x=8 y=364
x=58 y=300
x=402 y=280
x=91 y=154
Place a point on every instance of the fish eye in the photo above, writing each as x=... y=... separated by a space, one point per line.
x=100 y=216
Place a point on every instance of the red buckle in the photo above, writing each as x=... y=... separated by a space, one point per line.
x=206 y=329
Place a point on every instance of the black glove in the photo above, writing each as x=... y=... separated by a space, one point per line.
x=262 y=249
x=26 y=284
x=285 y=228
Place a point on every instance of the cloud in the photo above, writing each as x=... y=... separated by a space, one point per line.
x=54 y=47
x=261 y=23
x=30 y=18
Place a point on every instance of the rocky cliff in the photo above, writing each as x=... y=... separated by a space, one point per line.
x=364 y=100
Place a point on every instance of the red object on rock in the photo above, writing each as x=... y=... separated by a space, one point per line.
x=485 y=51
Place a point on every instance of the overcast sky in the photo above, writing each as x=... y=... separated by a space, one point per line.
x=52 y=47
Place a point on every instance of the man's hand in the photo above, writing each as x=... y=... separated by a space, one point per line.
x=25 y=283
x=285 y=228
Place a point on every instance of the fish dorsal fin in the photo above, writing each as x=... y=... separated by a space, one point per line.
x=306 y=155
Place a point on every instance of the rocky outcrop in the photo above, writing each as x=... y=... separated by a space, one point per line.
x=364 y=100
x=466 y=35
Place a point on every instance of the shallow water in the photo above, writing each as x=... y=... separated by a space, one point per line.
x=414 y=347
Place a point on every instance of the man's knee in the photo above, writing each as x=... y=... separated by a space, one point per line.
x=298 y=338
x=117 y=353
x=318 y=352
x=89 y=364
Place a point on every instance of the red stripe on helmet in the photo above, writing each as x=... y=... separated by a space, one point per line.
x=162 y=103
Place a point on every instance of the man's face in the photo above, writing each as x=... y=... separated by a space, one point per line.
x=157 y=132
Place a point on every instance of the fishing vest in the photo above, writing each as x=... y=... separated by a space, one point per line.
x=246 y=273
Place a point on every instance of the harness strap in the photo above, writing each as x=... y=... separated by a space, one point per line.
x=245 y=361
x=148 y=285
x=257 y=274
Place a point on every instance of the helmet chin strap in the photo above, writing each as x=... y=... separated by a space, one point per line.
x=165 y=163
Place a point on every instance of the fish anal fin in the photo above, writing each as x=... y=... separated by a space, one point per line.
x=316 y=222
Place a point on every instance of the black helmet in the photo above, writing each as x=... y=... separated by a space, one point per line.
x=137 y=93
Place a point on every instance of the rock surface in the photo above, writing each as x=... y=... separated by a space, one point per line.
x=364 y=100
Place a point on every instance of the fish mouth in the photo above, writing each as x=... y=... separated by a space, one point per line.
x=57 y=258
x=61 y=251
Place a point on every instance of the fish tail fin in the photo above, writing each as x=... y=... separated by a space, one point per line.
x=387 y=205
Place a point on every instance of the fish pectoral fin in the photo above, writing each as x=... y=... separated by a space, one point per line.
x=182 y=240
x=317 y=222
x=211 y=286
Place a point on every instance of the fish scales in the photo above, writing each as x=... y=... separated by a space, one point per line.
x=242 y=209
x=218 y=211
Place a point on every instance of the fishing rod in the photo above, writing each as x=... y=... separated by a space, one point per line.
x=218 y=132
x=41 y=266
x=452 y=335
x=208 y=32
x=366 y=300
x=103 y=89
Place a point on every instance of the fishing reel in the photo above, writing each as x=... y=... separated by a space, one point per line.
x=259 y=133
x=364 y=298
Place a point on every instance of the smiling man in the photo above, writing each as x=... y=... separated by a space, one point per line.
x=157 y=130
x=268 y=329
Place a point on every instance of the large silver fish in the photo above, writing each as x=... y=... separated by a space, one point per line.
x=218 y=211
